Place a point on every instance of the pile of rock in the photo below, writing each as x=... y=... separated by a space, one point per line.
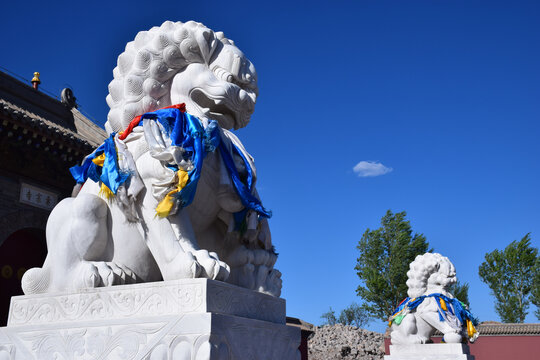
x=345 y=342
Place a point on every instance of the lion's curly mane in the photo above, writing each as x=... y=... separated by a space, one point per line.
x=144 y=71
x=421 y=269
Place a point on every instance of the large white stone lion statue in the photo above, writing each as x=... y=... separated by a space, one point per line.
x=152 y=225
x=429 y=306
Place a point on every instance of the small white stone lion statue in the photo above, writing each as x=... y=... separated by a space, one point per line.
x=108 y=235
x=429 y=306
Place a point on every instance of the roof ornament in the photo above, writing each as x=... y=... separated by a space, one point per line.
x=68 y=99
x=35 y=80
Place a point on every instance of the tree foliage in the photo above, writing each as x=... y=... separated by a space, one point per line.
x=535 y=293
x=329 y=317
x=511 y=274
x=354 y=315
x=460 y=292
x=385 y=255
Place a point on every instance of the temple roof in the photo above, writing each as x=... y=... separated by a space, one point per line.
x=41 y=113
x=86 y=133
x=496 y=328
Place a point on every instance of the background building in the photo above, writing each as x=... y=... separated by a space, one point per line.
x=40 y=139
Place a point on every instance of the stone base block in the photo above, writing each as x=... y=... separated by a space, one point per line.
x=195 y=319
x=429 y=352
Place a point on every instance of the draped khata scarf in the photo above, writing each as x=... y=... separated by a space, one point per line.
x=179 y=140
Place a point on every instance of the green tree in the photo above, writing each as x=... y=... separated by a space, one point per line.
x=385 y=255
x=460 y=292
x=354 y=315
x=510 y=275
x=329 y=317
x=535 y=293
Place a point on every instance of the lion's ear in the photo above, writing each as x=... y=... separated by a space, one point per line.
x=221 y=37
x=207 y=43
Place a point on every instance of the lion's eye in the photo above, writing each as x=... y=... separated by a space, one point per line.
x=223 y=74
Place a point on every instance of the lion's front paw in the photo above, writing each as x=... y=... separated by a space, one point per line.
x=211 y=266
x=183 y=266
x=99 y=273
x=273 y=283
x=253 y=269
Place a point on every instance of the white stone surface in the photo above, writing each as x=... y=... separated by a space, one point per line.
x=429 y=352
x=93 y=242
x=142 y=300
x=184 y=319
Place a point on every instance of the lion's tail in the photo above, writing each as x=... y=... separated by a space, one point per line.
x=35 y=281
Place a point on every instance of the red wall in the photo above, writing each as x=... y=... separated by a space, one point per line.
x=506 y=347
x=502 y=347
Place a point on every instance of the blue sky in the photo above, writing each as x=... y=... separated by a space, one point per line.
x=444 y=93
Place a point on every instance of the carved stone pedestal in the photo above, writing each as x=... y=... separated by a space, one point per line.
x=429 y=352
x=184 y=319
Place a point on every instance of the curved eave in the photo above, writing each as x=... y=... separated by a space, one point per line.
x=40 y=126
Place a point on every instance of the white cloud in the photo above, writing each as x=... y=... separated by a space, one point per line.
x=370 y=168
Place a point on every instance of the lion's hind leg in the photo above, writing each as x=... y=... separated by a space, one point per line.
x=407 y=332
x=77 y=235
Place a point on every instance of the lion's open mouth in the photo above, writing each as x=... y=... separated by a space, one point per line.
x=225 y=109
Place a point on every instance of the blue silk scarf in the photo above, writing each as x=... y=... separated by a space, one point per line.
x=186 y=131
x=108 y=173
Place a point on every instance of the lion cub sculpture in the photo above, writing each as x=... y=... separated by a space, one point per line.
x=171 y=193
x=430 y=306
